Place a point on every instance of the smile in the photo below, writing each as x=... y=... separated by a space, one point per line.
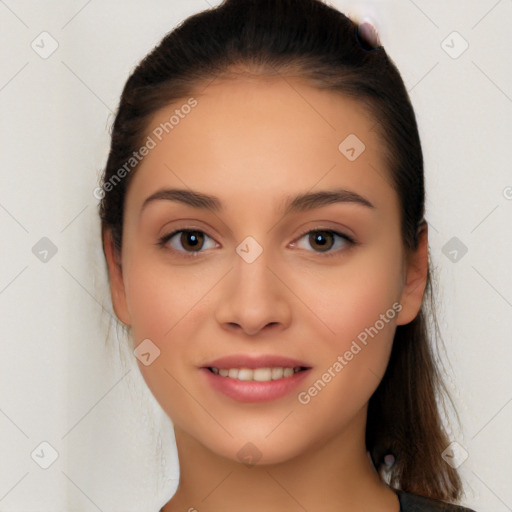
x=256 y=374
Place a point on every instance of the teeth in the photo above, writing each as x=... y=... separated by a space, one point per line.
x=277 y=373
x=258 y=374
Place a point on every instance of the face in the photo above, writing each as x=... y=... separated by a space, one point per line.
x=322 y=280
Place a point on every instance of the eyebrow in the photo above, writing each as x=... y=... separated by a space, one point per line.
x=299 y=203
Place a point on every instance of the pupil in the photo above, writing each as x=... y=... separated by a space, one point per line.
x=191 y=238
x=317 y=238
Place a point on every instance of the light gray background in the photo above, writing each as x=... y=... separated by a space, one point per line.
x=62 y=384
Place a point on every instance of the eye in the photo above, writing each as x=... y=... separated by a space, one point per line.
x=325 y=239
x=190 y=241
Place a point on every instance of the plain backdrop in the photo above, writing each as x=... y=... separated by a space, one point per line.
x=71 y=395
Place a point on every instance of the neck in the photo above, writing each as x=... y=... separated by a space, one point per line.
x=337 y=474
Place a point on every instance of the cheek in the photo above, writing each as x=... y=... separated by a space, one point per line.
x=163 y=305
x=342 y=301
x=152 y=305
x=160 y=297
x=351 y=362
x=355 y=310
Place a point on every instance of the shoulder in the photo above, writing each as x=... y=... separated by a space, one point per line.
x=415 y=503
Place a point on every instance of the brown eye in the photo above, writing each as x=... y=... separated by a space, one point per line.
x=192 y=240
x=321 y=240
x=187 y=242
x=325 y=242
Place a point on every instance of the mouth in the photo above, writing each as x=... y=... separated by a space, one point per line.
x=253 y=378
x=265 y=374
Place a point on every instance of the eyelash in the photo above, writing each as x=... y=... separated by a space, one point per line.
x=193 y=254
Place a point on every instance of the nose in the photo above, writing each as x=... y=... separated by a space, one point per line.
x=254 y=298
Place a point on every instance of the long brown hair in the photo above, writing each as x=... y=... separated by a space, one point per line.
x=316 y=42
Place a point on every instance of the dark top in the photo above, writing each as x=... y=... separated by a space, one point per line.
x=415 y=503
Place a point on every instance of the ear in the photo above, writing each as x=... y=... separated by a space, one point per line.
x=415 y=279
x=117 y=291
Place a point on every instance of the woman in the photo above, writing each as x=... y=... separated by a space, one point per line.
x=263 y=225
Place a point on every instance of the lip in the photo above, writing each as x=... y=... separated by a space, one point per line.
x=254 y=391
x=253 y=361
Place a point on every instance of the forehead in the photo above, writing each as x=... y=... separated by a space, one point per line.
x=267 y=134
x=257 y=106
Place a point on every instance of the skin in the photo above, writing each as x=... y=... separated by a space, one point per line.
x=252 y=142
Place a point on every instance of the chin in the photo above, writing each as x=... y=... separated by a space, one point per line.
x=256 y=453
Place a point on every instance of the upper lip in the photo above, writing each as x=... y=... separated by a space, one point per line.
x=254 y=361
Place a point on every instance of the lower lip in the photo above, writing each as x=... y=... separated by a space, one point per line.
x=254 y=391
